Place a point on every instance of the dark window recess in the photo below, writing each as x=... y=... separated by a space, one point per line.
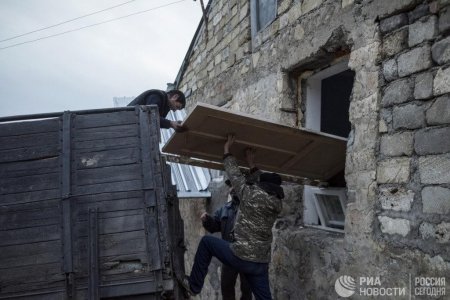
x=336 y=92
x=262 y=13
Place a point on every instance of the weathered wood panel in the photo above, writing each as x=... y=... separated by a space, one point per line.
x=28 y=140
x=114 y=225
x=107 y=174
x=110 y=245
x=27 y=127
x=30 y=235
x=27 y=197
x=110 y=187
x=27 y=168
x=15 y=279
x=29 y=183
x=30 y=254
x=107 y=158
x=108 y=209
x=29 y=153
x=42 y=295
x=93 y=134
x=14 y=219
x=102 y=144
x=105 y=119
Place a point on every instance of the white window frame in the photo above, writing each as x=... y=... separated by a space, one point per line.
x=312 y=209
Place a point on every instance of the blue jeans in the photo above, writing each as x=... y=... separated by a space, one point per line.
x=257 y=274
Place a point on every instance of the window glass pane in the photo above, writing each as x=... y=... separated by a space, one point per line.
x=266 y=12
x=331 y=208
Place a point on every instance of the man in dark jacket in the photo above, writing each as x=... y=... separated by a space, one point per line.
x=223 y=221
x=249 y=253
x=172 y=100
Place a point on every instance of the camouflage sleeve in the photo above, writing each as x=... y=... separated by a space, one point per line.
x=234 y=174
x=253 y=177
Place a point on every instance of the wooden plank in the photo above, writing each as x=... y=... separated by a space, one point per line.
x=30 y=254
x=105 y=119
x=10 y=219
x=34 y=289
x=120 y=186
x=109 y=208
x=112 y=132
x=43 y=273
x=29 y=206
x=27 y=127
x=28 y=140
x=28 y=197
x=29 y=183
x=27 y=168
x=103 y=144
x=116 y=244
x=30 y=235
x=114 y=157
x=49 y=294
x=113 y=225
x=107 y=174
x=29 y=153
x=279 y=148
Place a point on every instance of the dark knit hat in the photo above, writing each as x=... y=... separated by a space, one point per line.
x=270 y=177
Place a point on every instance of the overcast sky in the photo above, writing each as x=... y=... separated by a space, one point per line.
x=85 y=69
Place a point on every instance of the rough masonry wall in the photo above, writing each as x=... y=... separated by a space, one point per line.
x=397 y=163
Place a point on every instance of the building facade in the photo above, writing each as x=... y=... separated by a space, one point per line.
x=376 y=72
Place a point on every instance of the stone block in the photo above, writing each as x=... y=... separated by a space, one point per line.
x=432 y=141
x=346 y=3
x=427 y=230
x=283 y=7
x=294 y=13
x=436 y=200
x=394 y=198
x=423 y=87
x=363 y=109
x=440 y=52
x=434 y=169
x=418 y=12
x=415 y=60
x=309 y=5
x=392 y=23
x=394 y=170
x=299 y=32
x=444 y=19
x=439 y=112
x=397 y=144
x=395 y=42
x=409 y=116
x=441 y=82
x=443 y=232
x=390 y=70
x=397 y=92
x=394 y=226
x=422 y=30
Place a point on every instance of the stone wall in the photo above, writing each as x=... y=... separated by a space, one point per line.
x=398 y=157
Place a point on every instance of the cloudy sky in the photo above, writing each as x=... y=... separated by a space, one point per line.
x=85 y=69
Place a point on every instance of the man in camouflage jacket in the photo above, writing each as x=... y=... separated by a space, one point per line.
x=249 y=253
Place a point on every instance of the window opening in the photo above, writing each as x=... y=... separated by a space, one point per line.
x=262 y=12
x=327 y=110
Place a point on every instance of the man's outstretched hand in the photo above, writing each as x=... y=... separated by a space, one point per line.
x=228 y=143
x=176 y=125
